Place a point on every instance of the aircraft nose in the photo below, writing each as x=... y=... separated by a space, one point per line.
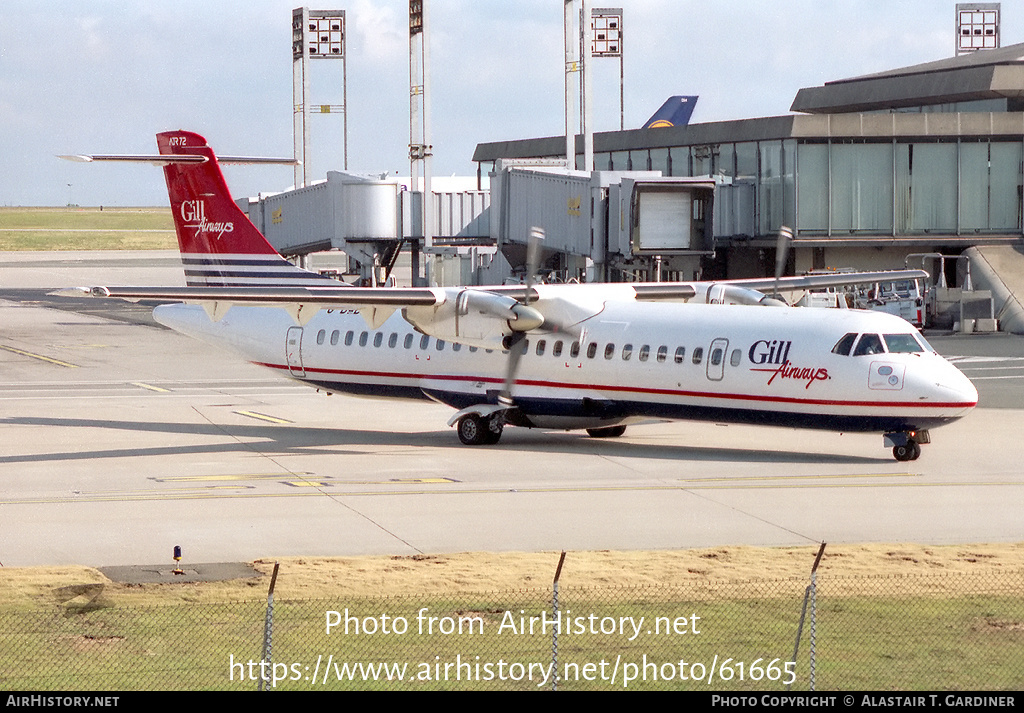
x=954 y=387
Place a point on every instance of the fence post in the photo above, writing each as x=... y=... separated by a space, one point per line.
x=558 y=625
x=809 y=593
x=268 y=633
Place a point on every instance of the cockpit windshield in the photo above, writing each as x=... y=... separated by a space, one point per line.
x=868 y=344
x=902 y=344
x=874 y=344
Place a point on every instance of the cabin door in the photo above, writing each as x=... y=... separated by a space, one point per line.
x=717 y=354
x=293 y=351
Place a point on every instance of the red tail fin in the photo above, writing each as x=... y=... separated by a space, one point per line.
x=218 y=243
x=206 y=219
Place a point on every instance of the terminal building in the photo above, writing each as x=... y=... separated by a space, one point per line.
x=923 y=159
x=875 y=172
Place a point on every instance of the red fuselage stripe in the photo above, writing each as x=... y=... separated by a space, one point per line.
x=626 y=389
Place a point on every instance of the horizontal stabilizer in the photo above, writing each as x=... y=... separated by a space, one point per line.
x=166 y=160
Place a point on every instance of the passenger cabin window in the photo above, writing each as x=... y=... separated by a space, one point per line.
x=393 y=340
x=645 y=351
x=698 y=355
x=680 y=354
x=456 y=346
x=335 y=335
x=869 y=344
x=591 y=350
x=627 y=352
x=378 y=339
x=424 y=341
x=735 y=357
x=408 y=341
x=320 y=336
x=662 y=353
x=902 y=344
x=556 y=348
x=717 y=356
x=439 y=345
x=844 y=345
x=609 y=351
x=574 y=350
x=541 y=345
x=363 y=336
x=348 y=337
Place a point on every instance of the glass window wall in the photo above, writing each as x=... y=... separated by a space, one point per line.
x=862 y=188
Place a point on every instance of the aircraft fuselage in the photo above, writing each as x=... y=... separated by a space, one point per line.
x=758 y=365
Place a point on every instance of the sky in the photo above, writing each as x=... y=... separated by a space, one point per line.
x=104 y=76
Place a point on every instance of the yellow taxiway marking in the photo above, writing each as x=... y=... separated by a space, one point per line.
x=306 y=483
x=151 y=387
x=262 y=416
x=235 y=476
x=40 y=357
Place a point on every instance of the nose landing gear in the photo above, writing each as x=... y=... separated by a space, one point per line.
x=906 y=446
x=911 y=451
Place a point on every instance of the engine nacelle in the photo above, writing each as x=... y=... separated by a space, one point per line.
x=715 y=293
x=474 y=317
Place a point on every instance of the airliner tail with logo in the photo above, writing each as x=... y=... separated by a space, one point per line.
x=588 y=356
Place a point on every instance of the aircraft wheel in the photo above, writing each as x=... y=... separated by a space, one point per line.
x=608 y=432
x=911 y=451
x=472 y=430
x=494 y=427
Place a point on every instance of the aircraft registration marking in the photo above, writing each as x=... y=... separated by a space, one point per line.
x=40 y=357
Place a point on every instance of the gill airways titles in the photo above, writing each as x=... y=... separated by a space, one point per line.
x=776 y=352
x=194 y=215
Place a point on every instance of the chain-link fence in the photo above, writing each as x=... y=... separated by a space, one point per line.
x=925 y=633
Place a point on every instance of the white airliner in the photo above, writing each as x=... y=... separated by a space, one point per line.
x=590 y=356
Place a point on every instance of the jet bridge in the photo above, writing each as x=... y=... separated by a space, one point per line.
x=370 y=218
x=609 y=226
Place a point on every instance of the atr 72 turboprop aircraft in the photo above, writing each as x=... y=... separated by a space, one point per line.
x=588 y=356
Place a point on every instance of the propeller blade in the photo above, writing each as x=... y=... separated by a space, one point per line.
x=782 y=254
x=515 y=353
x=528 y=318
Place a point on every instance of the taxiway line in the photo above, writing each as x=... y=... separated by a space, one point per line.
x=40 y=357
x=262 y=417
x=209 y=495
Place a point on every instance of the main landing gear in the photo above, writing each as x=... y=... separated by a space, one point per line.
x=907 y=446
x=481 y=430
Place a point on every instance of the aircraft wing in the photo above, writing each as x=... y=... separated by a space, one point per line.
x=483 y=316
x=330 y=296
x=460 y=314
x=832 y=279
